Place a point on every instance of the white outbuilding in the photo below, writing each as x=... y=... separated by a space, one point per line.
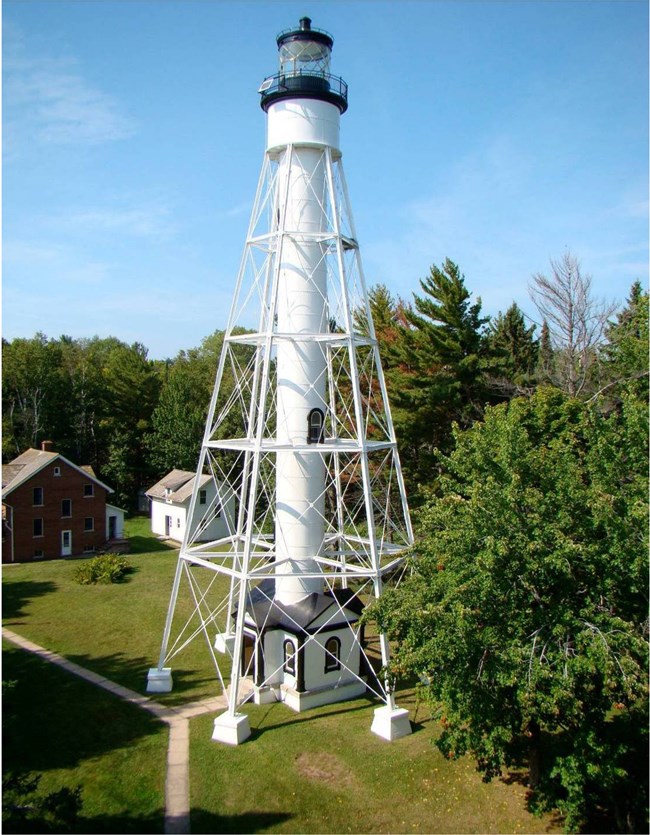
x=170 y=506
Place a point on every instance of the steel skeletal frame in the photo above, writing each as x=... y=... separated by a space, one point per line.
x=366 y=522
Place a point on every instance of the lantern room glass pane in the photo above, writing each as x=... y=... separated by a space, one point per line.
x=305 y=57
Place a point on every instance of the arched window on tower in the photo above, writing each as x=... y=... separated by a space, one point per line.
x=289 y=657
x=332 y=655
x=316 y=427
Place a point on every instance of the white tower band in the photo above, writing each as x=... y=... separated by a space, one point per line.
x=299 y=445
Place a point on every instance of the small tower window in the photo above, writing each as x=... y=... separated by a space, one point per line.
x=289 y=657
x=315 y=427
x=332 y=655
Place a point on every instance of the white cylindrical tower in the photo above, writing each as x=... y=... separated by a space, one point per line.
x=303 y=112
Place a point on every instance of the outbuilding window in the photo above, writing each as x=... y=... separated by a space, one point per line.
x=203 y=496
x=332 y=655
x=315 y=427
x=289 y=657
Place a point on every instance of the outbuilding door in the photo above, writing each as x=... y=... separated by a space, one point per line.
x=66 y=543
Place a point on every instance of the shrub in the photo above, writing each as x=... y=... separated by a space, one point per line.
x=108 y=568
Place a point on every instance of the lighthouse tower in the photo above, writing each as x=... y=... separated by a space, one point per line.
x=299 y=461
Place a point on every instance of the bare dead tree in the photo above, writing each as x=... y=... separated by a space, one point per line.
x=576 y=321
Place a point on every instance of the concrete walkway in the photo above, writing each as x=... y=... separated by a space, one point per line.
x=177 y=784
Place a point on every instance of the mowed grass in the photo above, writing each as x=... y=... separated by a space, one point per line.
x=320 y=771
x=324 y=771
x=115 y=630
x=72 y=733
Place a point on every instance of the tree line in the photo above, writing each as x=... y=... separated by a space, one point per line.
x=105 y=403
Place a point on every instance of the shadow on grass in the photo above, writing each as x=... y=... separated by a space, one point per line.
x=261 y=726
x=206 y=822
x=16 y=595
x=202 y=822
x=148 y=544
x=53 y=719
x=131 y=672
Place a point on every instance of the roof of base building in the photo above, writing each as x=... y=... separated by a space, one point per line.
x=269 y=613
x=30 y=462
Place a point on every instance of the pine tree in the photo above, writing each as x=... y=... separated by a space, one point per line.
x=626 y=352
x=515 y=351
x=440 y=362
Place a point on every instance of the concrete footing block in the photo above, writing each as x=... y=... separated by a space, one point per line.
x=231 y=729
x=391 y=723
x=159 y=681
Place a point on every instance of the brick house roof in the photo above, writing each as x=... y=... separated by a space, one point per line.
x=30 y=462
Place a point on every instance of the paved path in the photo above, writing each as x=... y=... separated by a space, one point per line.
x=177 y=784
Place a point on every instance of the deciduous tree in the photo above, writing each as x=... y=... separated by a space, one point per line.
x=527 y=607
x=576 y=323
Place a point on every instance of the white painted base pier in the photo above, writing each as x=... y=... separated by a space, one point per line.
x=231 y=729
x=391 y=723
x=159 y=681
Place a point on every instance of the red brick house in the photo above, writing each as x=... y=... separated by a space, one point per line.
x=52 y=508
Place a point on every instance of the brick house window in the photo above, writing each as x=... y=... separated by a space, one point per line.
x=38 y=553
x=66 y=508
x=89 y=523
x=38 y=497
x=38 y=526
x=57 y=471
x=89 y=490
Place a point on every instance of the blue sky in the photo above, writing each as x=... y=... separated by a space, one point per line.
x=498 y=134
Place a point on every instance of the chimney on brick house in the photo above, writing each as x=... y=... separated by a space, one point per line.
x=47 y=446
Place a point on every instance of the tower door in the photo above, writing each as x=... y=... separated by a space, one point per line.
x=248 y=650
x=66 y=543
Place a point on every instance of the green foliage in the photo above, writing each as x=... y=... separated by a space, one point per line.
x=435 y=355
x=527 y=606
x=33 y=392
x=132 y=387
x=178 y=420
x=514 y=349
x=626 y=354
x=107 y=568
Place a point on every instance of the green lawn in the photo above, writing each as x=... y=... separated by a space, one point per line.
x=73 y=733
x=324 y=771
x=115 y=630
x=320 y=771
